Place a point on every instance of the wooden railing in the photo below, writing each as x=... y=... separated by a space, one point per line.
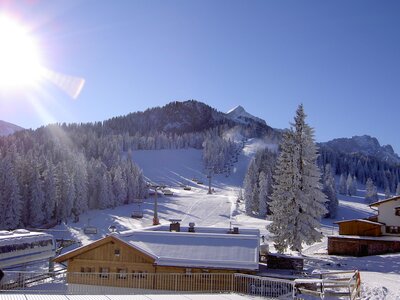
x=332 y=284
x=146 y=283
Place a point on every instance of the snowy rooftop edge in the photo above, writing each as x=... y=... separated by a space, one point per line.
x=360 y=237
x=194 y=235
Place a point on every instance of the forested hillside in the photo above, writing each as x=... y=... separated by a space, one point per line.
x=59 y=171
x=385 y=174
x=56 y=172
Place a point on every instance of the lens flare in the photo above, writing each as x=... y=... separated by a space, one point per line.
x=20 y=63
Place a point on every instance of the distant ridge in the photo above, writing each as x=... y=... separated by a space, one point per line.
x=8 y=128
x=365 y=145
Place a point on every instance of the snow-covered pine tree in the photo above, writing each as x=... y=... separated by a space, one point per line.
x=37 y=198
x=349 y=184
x=262 y=196
x=342 y=185
x=119 y=187
x=354 y=186
x=251 y=189
x=10 y=200
x=51 y=191
x=330 y=192
x=398 y=189
x=371 y=193
x=81 y=186
x=388 y=194
x=297 y=202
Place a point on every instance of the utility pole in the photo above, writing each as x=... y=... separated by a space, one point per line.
x=155 y=217
x=209 y=182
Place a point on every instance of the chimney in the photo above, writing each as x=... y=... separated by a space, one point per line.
x=191 y=227
x=175 y=225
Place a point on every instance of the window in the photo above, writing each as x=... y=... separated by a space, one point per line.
x=139 y=274
x=117 y=252
x=121 y=273
x=104 y=272
x=392 y=229
x=397 y=211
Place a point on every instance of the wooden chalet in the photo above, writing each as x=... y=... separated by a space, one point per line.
x=162 y=251
x=372 y=235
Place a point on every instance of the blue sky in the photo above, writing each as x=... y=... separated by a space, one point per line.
x=341 y=59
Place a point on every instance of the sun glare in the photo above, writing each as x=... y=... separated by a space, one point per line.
x=20 y=64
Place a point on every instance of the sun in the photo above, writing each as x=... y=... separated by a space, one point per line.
x=20 y=64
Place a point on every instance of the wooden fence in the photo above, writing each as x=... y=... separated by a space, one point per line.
x=146 y=283
x=333 y=284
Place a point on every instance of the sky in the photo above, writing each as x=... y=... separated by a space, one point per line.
x=341 y=59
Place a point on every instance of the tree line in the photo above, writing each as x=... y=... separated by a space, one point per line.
x=60 y=171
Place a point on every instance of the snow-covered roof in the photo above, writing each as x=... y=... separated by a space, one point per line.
x=198 y=250
x=385 y=200
x=21 y=236
x=205 y=229
x=189 y=249
x=360 y=220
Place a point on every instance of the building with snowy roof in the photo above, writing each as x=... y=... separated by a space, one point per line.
x=21 y=247
x=166 y=249
x=378 y=234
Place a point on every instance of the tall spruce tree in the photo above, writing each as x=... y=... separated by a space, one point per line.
x=398 y=189
x=297 y=202
x=354 y=186
x=263 y=194
x=349 y=185
x=342 y=185
x=251 y=189
x=330 y=192
x=371 y=193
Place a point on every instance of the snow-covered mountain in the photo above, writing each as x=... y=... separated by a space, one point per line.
x=8 y=128
x=239 y=114
x=187 y=117
x=365 y=145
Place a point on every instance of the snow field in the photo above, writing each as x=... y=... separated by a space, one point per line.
x=380 y=274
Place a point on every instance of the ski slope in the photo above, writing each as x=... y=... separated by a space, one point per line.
x=174 y=168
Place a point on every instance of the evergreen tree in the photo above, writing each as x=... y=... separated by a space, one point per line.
x=349 y=185
x=371 y=193
x=263 y=194
x=10 y=200
x=342 y=185
x=251 y=189
x=398 y=189
x=297 y=202
x=119 y=187
x=388 y=194
x=51 y=193
x=354 y=186
x=330 y=192
x=37 y=199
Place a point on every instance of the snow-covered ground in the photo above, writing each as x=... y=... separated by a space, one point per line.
x=380 y=274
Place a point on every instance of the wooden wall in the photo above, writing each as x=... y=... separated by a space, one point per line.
x=356 y=227
x=104 y=257
x=361 y=247
x=139 y=270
